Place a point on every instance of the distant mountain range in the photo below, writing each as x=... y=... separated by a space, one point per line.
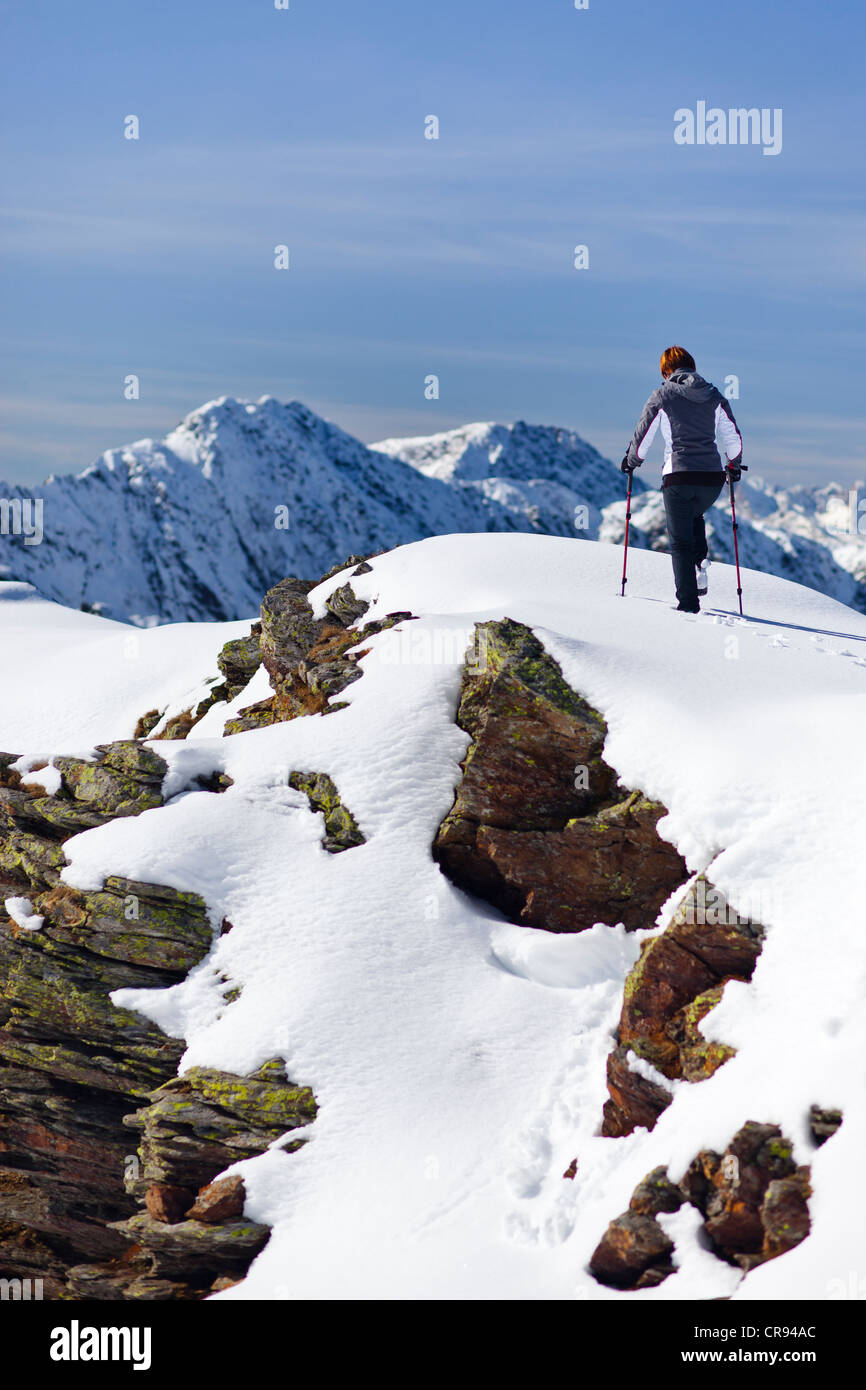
x=241 y=494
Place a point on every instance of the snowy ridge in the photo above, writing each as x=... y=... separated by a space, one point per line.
x=458 y=1061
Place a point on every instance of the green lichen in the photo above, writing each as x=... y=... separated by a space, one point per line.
x=341 y=829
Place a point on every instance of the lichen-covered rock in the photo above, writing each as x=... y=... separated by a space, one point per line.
x=678 y=979
x=307 y=658
x=341 y=830
x=257 y=716
x=71 y=1063
x=126 y=779
x=540 y=826
x=239 y=660
x=611 y=867
x=199 y=1123
x=192 y=1252
x=71 y=1066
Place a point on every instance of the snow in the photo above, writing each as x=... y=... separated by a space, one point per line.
x=22 y=914
x=82 y=679
x=459 y=1061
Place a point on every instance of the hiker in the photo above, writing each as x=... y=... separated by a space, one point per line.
x=690 y=412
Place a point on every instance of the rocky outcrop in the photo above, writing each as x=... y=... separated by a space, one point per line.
x=540 y=825
x=307 y=659
x=753 y=1198
x=190 y=1233
x=110 y=1163
x=677 y=980
x=76 y=1071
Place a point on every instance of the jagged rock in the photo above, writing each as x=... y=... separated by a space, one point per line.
x=192 y=1128
x=677 y=980
x=165 y=1202
x=191 y=1251
x=635 y=1101
x=753 y=1198
x=755 y=1156
x=698 y=1180
x=540 y=826
x=72 y=1064
x=76 y=1072
x=307 y=658
x=609 y=867
x=632 y=1245
x=222 y=1200
x=341 y=830
x=199 y=1123
x=239 y=660
x=656 y=1193
x=126 y=780
x=823 y=1123
x=144 y=923
x=257 y=716
x=785 y=1213
x=125 y=1280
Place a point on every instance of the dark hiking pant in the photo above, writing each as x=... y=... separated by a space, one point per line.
x=685 y=504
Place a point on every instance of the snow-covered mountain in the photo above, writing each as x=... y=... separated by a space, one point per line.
x=198 y=525
x=240 y=494
x=460 y=1057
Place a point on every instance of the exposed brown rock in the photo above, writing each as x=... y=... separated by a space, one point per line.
x=635 y=1101
x=632 y=1245
x=753 y=1197
x=222 y=1200
x=307 y=658
x=656 y=1193
x=167 y=1203
x=677 y=980
x=540 y=826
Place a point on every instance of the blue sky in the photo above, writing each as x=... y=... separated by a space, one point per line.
x=412 y=257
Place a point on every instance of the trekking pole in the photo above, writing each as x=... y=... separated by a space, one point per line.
x=743 y=469
x=627 y=519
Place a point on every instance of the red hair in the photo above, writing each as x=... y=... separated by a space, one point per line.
x=675 y=357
